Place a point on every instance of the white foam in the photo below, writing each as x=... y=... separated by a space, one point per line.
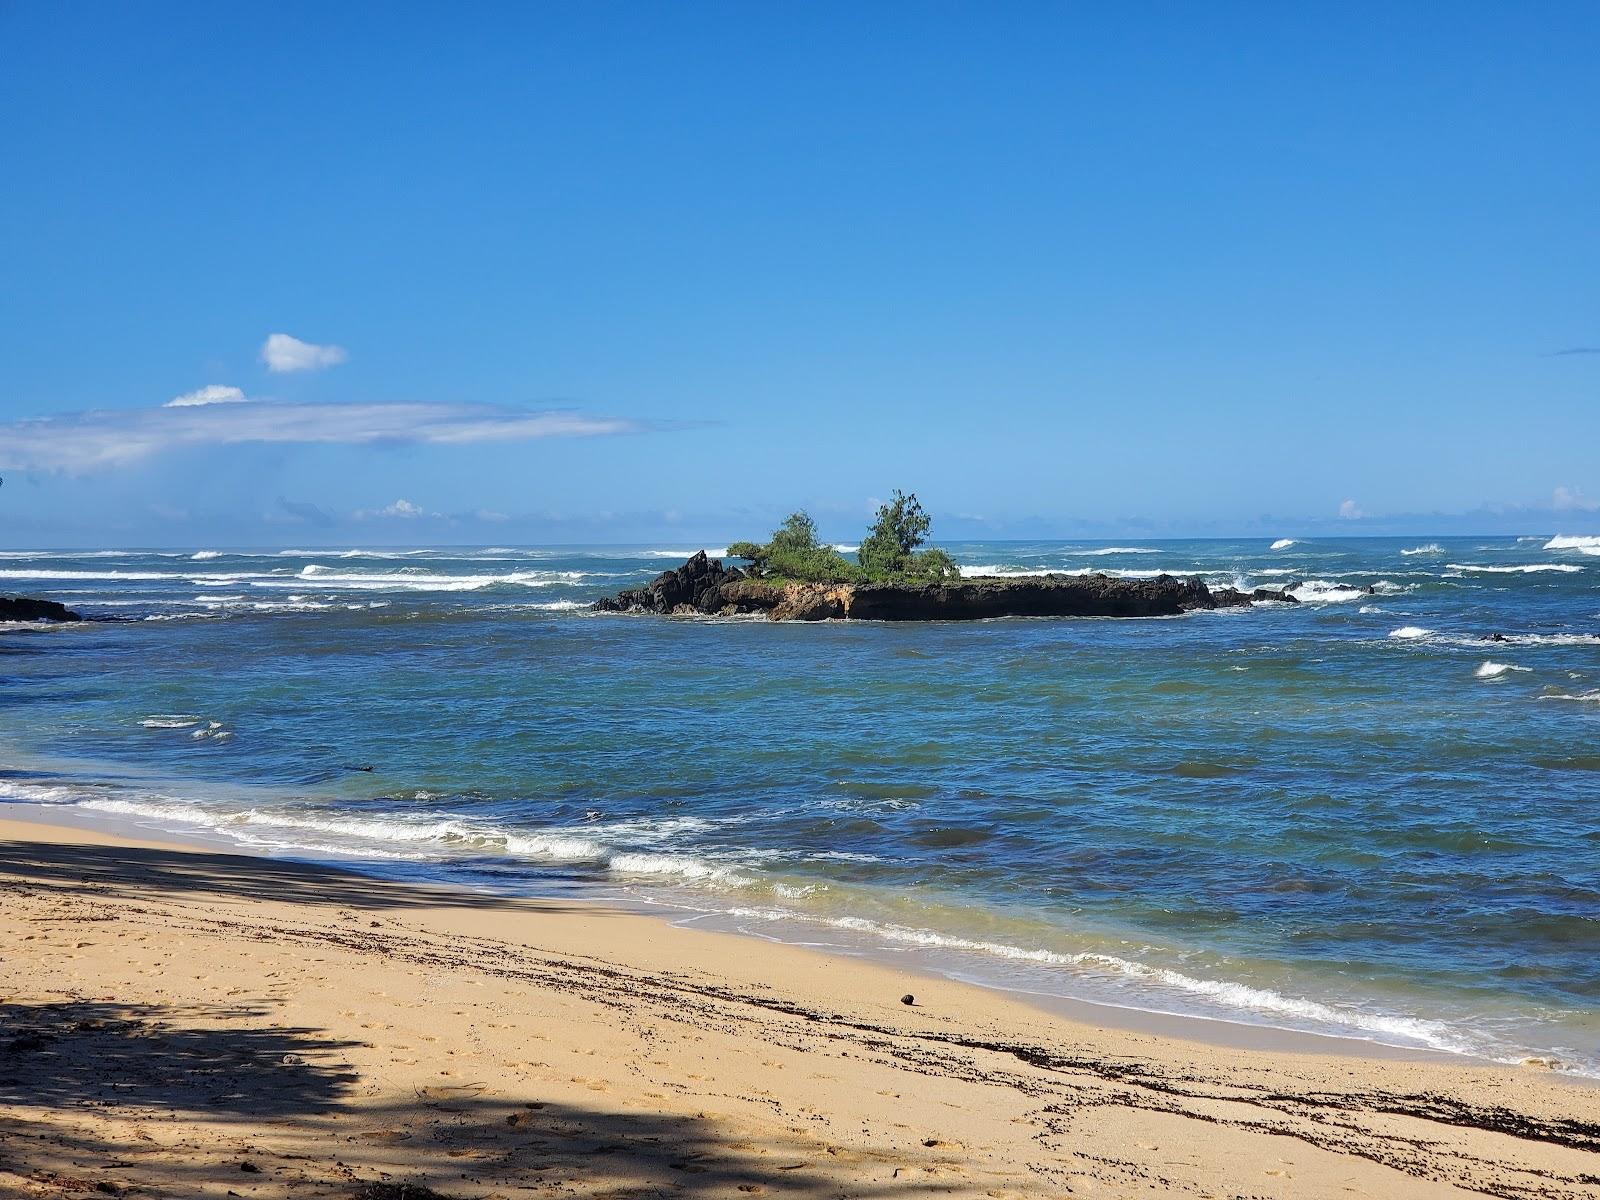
x=398 y=836
x=1583 y=545
x=1239 y=996
x=416 y=579
x=204 y=555
x=1494 y=670
x=170 y=721
x=1118 y=550
x=1283 y=544
x=678 y=866
x=1428 y=548
x=1590 y=697
x=1564 y=541
x=1323 y=591
x=68 y=573
x=1410 y=633
x=1530 y=569
x=996 y=571
x=1533 y=639
x=685 y=554
x=845 y=548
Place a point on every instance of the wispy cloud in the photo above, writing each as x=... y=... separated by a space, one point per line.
x=1565 y=499
x=401 y=509
x=1575 y=350
x=78 y=442
x=284 y=353
x=212 y=393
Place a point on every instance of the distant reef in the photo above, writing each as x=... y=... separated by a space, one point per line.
x=704 y=587
x=22 y=608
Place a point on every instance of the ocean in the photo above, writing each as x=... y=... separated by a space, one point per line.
x=1375 y=814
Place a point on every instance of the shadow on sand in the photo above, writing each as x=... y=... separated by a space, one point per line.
x=188 y=1065
x=129 y=872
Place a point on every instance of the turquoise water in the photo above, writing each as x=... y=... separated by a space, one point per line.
x=1353 y=816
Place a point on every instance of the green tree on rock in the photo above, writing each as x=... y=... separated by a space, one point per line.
x=889 y=550
x=794 y=553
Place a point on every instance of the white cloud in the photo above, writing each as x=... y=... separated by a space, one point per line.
x=403 y=509
x=284 y=353
x=1566 y=499
x=89 y=441
x=1350 y=511
x=212 y=393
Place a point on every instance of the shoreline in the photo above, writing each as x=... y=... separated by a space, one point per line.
x=307 y=1031
x=682 y=912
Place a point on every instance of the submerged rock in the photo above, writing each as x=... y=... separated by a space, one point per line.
x=24 y=608
x=704 y=586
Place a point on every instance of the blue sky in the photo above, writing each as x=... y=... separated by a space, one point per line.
x=616 y=272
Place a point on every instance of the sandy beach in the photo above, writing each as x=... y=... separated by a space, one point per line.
x=182 y=1022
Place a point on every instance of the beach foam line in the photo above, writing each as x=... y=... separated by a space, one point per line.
x=433 y=838
x=1239 y=997
x=414 y=840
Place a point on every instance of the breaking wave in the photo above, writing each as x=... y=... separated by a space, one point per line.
x=1583 y=545
x=1494 y=670
x=1530 y=569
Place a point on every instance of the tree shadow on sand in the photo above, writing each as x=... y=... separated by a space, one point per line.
x=171 y=1057
x=129 y=872
x=213 y=1080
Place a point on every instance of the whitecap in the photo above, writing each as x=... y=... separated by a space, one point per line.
x=204 y=555
x=1283 y=544
x=170 y=721
x=1410 y=633
x=1428 y=548
x=1494 y=670
x=1582 y=544
x=1530 y=569
x=1323 y=591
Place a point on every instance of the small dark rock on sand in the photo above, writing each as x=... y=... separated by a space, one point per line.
x=908 y=998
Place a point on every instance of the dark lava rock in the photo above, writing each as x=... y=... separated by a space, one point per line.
x=22 y=608
x=694 y=587
x=702 y=585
